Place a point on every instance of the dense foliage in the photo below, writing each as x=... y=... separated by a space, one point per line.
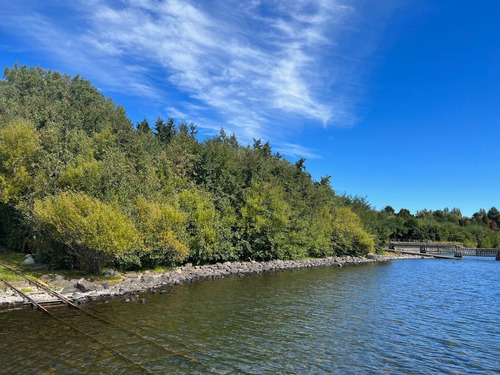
x=81 y=186
x=446 y=225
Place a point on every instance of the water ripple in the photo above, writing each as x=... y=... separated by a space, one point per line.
x=405 y=317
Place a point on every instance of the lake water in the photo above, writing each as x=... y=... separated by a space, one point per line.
x=406 y=316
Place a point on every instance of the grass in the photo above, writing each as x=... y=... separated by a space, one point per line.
x=13 y=260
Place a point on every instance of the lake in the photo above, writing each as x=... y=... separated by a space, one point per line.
x=405 y=316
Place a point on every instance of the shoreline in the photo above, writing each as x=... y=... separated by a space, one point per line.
x=83 y=291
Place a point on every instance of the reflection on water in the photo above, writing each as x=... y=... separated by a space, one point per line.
x=408 y=316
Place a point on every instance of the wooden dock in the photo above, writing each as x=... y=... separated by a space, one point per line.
x=432 y=248
x=423 y=255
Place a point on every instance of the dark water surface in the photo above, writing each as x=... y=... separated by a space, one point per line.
x=406 y=316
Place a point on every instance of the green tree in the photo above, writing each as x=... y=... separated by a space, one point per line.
x=163 y=233
x=143 y=126
x=19 y=145
x=94 y=231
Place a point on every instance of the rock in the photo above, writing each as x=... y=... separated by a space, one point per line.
x=112 y=273
x=77 y=296
x=148 y=279
x=98 y=287
x=132 y=276
x=85 y=286
x=69 y=290
x=105 y=284
x=29 y=261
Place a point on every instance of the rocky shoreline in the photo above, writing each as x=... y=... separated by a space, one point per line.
x=82 y=290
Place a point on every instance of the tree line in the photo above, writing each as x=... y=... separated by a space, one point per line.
x=81 y=186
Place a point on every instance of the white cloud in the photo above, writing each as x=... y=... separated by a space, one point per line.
x=177 y=114
x=254 y=67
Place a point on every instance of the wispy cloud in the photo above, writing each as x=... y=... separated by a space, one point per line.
x=254 y=67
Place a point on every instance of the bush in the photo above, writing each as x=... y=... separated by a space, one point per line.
x=93 y=231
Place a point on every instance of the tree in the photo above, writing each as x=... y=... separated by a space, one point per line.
x=165 y=131
x=325 y=181
x=94 y=231
x=494 y=226
x=19 y=144
x=494 y=215
x=404 y=213
x=347 y=234
x=163 y=233
x=300 y=164
x=389 y=210
x=265 y=216
x=143 y=127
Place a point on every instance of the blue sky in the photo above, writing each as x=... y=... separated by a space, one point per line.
x=398 y=100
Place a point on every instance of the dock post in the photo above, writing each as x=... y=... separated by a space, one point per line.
x=498 y=255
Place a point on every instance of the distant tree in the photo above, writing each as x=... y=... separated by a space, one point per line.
x=389 y=210
x=478 y=216
x=493 y=226
x=404 y=213
x=143 y=126
x=300 y=164
x=165 y=131
x=486 y=220
x=325 y=181
x=183 y=128
x=439 y=215
x=192 y=130
x=494 y=215
x=266 y=149
x=257 y=144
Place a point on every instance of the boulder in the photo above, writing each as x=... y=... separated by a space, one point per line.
x=112 y=273
x=69 y=290
x=29 y=261
x=85 y=285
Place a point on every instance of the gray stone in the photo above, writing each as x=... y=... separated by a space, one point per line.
x=29 y=261
x=77 y=296
x=69 y=290
x=112 y=273
x=148 y=279
x=85 y=285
